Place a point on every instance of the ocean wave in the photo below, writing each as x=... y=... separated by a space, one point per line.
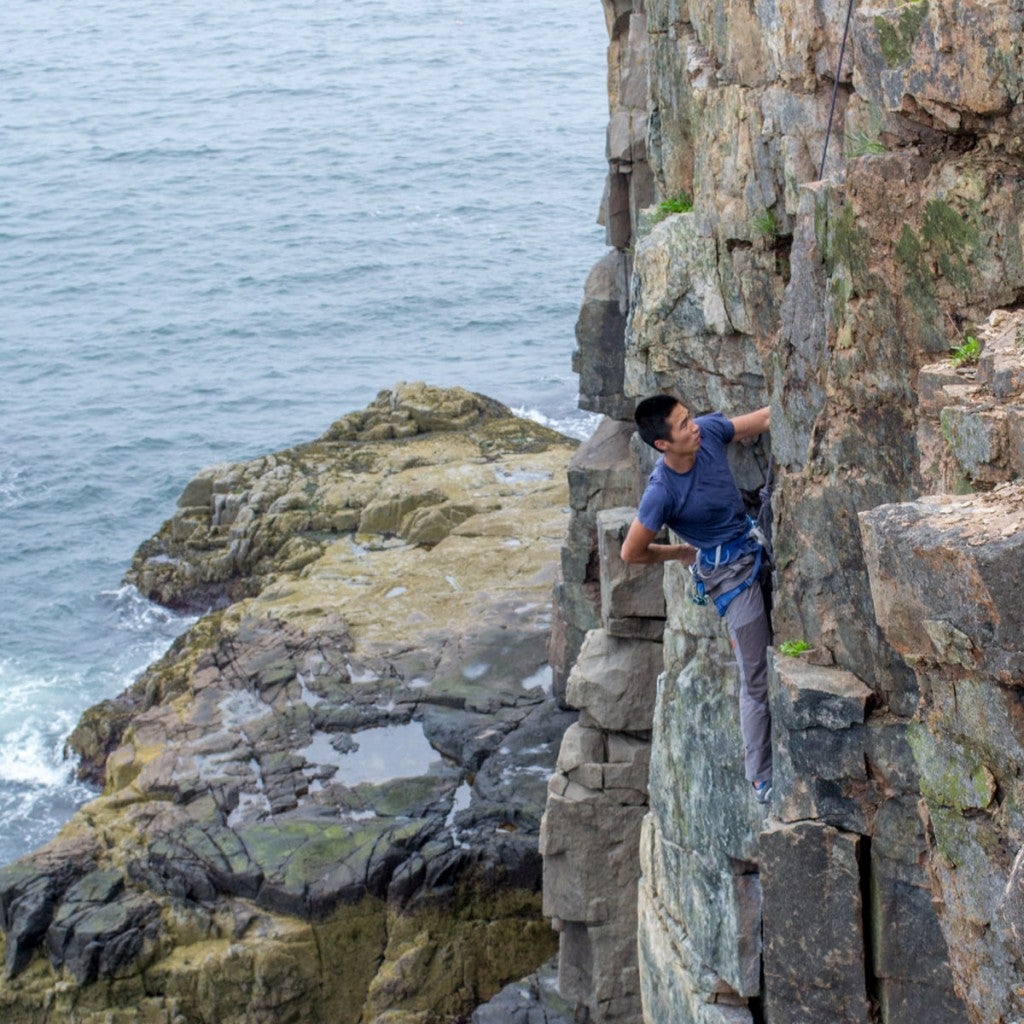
x=579 y=424
x=135 y=156
x=12 y=486
x=137 y=614
x=33 y=751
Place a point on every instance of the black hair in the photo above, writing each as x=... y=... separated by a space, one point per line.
x=652 y=418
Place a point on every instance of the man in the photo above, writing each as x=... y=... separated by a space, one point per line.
x=693 y=492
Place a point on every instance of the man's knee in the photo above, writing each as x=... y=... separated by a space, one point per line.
x=750 y=642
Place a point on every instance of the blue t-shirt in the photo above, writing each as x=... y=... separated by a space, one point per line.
x=703 y=505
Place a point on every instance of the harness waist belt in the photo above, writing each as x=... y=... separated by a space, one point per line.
x=745 y=544
x=750 y=543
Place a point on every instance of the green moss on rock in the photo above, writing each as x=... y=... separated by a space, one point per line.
x=849 y=252
x=895 y=38
x=953 y=240
x=448 y=960
x=952 y=775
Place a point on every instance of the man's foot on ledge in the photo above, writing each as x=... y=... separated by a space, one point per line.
x=763 y=791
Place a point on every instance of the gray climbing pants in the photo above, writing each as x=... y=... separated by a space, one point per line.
x=749 y=632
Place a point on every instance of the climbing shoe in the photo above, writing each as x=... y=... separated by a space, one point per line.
x=763 y=791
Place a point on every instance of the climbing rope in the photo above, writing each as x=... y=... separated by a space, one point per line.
x=835 y=90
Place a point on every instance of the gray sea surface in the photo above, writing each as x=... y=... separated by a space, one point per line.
x=221 y=227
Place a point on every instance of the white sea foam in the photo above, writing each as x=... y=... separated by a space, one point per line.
x=221 y=259
x=578 y=424
x=137 y=614
x=32 y=753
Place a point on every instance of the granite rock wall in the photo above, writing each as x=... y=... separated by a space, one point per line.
x=884 y=883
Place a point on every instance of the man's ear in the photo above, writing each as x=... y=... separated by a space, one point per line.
x=659 y=444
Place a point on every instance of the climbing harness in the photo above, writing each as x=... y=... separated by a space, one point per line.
x=835 y=90
x=753 y=541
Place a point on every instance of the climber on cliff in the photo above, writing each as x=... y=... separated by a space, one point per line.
x=691 y=490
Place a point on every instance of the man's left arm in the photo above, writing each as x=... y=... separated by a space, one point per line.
x=751 y=424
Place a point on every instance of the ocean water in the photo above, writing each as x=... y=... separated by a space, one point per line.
x=221 y=227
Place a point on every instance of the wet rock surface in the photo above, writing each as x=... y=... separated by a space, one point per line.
x=353 y=761
x=534 y=1000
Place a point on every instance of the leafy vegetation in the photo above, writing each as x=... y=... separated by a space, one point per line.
x=862 y=144
x=794 y=648
x=679 y=203
x=967 y=353
x=766 y=224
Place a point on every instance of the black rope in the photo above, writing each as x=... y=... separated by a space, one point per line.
x=835 y=90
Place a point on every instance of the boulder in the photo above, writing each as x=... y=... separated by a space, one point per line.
x=600 y=476
x=613 y=681
x=942 y=575
x=600 y=331
x=819 y=741
x=532 y=1000
x=810 y=879
x=632 y=596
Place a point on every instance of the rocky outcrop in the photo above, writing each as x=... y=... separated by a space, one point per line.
x=945 y=577
x=323 y=803
x=598 y=796
x=601 y=476
x=237 y=526
x=882 y=884
x=533 y=1000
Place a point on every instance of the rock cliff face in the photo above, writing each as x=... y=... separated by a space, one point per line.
x=323 y=803
x=885 y=882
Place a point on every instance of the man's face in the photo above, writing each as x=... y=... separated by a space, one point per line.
x=685 y=436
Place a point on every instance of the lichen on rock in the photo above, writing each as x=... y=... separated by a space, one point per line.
x=323 y=802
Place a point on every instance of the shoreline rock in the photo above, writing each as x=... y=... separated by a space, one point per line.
x=324 y=801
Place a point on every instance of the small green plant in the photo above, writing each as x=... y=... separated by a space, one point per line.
x=679 y=203
x=862 y=144
x=766 y=224
x=794 y=648
x=967 y=353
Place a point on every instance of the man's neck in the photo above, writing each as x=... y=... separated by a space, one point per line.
x=679 y=463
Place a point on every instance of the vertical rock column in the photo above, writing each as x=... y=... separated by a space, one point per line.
x=700 y=897
x=598 y=796
x=595 y=476
x=629 y=187
x=945 y=577
x=600 y=477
